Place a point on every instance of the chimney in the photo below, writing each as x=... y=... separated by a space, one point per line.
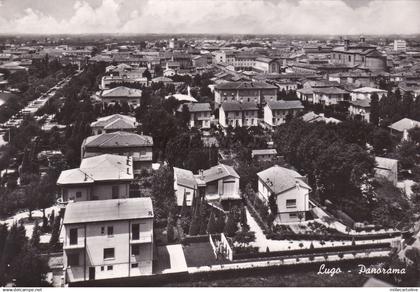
x=346 y=44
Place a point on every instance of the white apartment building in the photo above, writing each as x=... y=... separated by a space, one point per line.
x=108 y=239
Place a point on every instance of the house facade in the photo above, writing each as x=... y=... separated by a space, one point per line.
x=237 y=114
x=101 y=177
x=360 y=108
x=245 y=91
x=200 y=114
x=108 y=239
x=276 y=112
x=121 y=94
x=288 y=190
x=387 y=169
x=139 y=147
x=185 y=185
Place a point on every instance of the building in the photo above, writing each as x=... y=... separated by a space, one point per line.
x=359 y=55
x=401 y=128
x=289 y=191
x=121 y=94
x=386 y=169
x=264 y=154
x=218 y=183
x=114 y=123
x=108 y=239
x=329 y=95
x=200 y=114
x=276 y=112
x=139 y=147
x=101 y=177
x=400 y=45
x=360 y=108
x=312 y=117
x=238 y=114
x=366 y=93
x=246 y=91
x=266 y=65
x=185 y=185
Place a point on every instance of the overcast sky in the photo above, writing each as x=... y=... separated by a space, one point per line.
x=211 y=16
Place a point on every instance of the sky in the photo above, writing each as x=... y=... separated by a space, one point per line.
x=210 y=16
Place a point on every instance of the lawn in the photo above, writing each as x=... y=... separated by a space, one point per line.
x=199 y=254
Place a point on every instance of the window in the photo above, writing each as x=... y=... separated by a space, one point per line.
x=136 y=265
x=73 y=260
x=78 y=194
x=115 y=192
x=291 y=203
x=135 y=250
x=109 y=268
x=135 y=231
x=102 y=230
x=109 y=253
x=293 y=215
x=102 y=268
x=349 y=58
x=73 y=236
x=110 y=230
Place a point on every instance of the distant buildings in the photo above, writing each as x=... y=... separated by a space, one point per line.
x=200 y=114
x=288 y=190
x=400 y=45
x=108 y=239
x=238 y=114
x=276 y=112
x=121 y=94
x=360 y=108
x=139 y=147
x=264 y=154
x=365 y=93
x=359 y=55
x=257 y=92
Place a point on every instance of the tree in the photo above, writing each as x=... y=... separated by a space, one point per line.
x=231 y=225
x=36 y=233
x=414 y=134
x=211 y=226
x=170 y=228
x=55 y=234
x=15 y=241
x=374 y=109
x=407 y=152
x=30 y=268
x=195 y=224
x=381 y=141
x=162 y=194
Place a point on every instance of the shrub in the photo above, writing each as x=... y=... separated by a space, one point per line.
x=340 y=255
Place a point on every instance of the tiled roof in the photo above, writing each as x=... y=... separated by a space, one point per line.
x=98 y=168
x=330 y=90
x=217 y=172
x=385 y=163
x=264 y=152
x=231 y=106
x=404 y=124
x=368 y=90
x=116 y=121
x=280 y=179
x=361 y=103
x=118 y=139
x=121 y=91
x=197 y=107
x=185 y=177
x=244 y=85
x=108 y=210
x=284 y=104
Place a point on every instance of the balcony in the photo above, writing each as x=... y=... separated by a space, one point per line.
x=145 y=238
x=79 y=245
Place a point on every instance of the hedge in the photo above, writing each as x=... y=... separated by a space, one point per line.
x=300 y=252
